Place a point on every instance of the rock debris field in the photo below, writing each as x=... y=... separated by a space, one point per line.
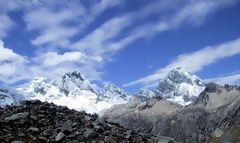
x=42 y=122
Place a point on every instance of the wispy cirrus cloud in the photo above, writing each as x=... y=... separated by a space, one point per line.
x=57 y=22
x=51 y=59
x=227 y=79
x=193 y=62
x=53 y=24
x=174 y=14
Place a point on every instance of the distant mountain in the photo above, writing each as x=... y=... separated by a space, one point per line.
x=9 y=96
x=146 y=94
x=141 y=113
x=215 y=96
x=75 y=92
x=212 y=113
x=213 y=117
x=112 y=93
x=180 y=86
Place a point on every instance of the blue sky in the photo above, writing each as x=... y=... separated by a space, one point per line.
x=131 y=43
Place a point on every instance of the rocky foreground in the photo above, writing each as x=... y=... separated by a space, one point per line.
x=35 y=121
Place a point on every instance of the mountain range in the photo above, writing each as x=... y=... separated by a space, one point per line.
x=178 y=86
x=213 y=117
x=75 y=92
x=181 y=108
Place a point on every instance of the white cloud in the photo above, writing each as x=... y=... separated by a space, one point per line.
x=88 y=70
x=51 y=59
x=57 y=23
x=12 y=65
x=192 y=12
x=230 y=79
x=109 y=3
x=54 y=23
x=15 y=67
x=8 y=55
x=105 y=41
x=194 y=62
x=96 y=43
x=196 y=12
x=5 y=25
x=52 y=26
x=103 y=5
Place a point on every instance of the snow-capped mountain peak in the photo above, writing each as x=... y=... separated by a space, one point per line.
x=10 y=96
x=37 y=85
x=114 y=93
x=74 y=91
x=146 y=93
x=180 y=75
x=180 y=86
x=73 y=81
x=74 y=76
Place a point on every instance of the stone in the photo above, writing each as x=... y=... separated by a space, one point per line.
x=34 y=118
x=218 y=132
x=87 y=133
x=87 y=118
x=43 y=139
x=35 y=122
x=17 y=116
x=67 y=127
x=109 y=139
x=33 y=129
x=17 y=142
x=21 y=135
x=59 y=136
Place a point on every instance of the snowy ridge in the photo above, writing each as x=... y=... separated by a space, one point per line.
x=75 y=92
x=146 y=94
x=111 y=93
x=10 y=96
x=180 y=86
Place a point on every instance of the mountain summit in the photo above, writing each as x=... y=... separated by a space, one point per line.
x=180 y=86
x=75 y=92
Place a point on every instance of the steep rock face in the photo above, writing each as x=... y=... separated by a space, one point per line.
x=73 y=81
x=74 y=91
x=190 y=125
x=180 y=86
x=215 y=96
x=228 y=127
x=35 y=121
